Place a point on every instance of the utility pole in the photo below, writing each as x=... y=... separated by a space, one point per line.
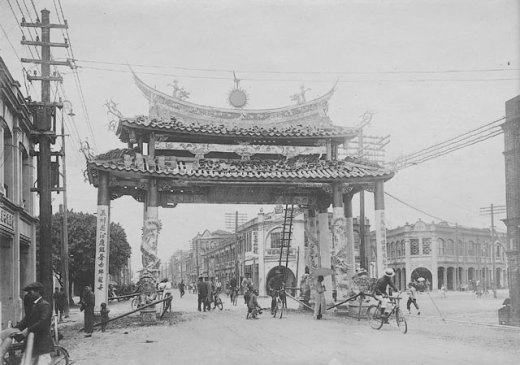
x=44 y=134
x=491 y=211
x=65 y=230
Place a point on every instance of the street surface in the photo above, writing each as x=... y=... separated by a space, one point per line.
x=470 y=335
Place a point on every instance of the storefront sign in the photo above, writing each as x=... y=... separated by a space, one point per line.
x=6 y=218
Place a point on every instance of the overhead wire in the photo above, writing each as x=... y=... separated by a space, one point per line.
x=417 y=209
x=303 y=72
x=77 y=79
x=340 y=81
x=488 y=126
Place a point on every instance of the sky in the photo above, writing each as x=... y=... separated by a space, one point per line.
x=428 y=70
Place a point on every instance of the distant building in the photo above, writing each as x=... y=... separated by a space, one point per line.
x=200 y=245
x=255 y=250
x=455 y=256
x=17 y=176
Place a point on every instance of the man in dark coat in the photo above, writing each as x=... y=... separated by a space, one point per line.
x=38 y=321
x=202 y=290
x=87 y=303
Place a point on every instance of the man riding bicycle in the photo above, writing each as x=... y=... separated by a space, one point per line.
x=381 y=294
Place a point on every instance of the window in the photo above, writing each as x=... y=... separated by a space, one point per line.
x=441 y=247
x=426 y=246
x=450 y=248
x=414 y=247
x=276 y=239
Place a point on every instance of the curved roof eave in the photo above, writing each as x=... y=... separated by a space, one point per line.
x=149 y=91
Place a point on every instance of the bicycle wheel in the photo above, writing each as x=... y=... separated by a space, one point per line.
x=401 y=321
x=219 y=304
x=374 y=317
x=60 y=356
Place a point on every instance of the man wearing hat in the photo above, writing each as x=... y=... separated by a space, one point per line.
x=38 y=321
x=380 y=290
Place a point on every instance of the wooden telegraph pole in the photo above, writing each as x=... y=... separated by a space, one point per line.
x=44 y=133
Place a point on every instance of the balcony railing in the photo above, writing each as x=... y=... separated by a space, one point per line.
x=276 y=252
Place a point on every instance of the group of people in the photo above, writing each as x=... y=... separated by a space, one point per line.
x=207 y=291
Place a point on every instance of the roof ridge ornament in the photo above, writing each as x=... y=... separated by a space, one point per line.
x=237 y=97
x=112 y=109
x=179 y=93
x=300 y=98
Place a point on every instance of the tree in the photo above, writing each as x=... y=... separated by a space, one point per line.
x=82 y=247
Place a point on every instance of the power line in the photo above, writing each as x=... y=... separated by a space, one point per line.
x=77 y=79
x=489 y=125
x=305 y=72
x=480 y=134
x=342 y=81
x=417 y=209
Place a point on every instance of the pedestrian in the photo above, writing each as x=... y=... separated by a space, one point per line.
x=61 y=302
x=202 y=291
x=443 y=291
x=88 y=301
x=181 y=288
x=412 y=298
x=38 y=321
x=319 y=299
x=247 y=284
x=104 y=316
x=253 y=308
x=209 y=296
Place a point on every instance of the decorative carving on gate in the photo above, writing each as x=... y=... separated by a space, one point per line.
x=151 y=230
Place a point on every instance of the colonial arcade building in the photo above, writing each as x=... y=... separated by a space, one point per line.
x=185 y=153
x=450 y=255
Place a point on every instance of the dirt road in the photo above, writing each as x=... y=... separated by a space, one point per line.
x=226 y=337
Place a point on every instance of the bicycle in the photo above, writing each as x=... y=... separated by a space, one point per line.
x=59 y=354
x=218 y=302
x=277 y=304
x=376 y=319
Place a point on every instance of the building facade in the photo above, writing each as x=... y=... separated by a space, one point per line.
x=450 y=255
x=17 y=221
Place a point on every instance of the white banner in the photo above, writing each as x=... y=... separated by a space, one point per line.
x=102 y=250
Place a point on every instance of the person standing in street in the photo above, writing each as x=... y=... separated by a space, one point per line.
x=38 y=321
x=412 y=298
x=87 y=303
x=104 y=316
x=202 y=291
x=319 y=302
x=181 y=288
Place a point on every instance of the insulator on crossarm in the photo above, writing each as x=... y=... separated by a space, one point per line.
x=37 y=38
x=34 y=73
x=23 y=19
x=37 y=20
x=66 y=41
x=23 y=38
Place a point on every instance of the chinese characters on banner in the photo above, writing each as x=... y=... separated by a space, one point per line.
x=380 y=241
x=102 y=248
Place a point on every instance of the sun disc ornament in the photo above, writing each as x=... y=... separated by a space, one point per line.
x=237 y=97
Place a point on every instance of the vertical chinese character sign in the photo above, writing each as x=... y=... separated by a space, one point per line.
x=102 y=249
x=380 y=241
